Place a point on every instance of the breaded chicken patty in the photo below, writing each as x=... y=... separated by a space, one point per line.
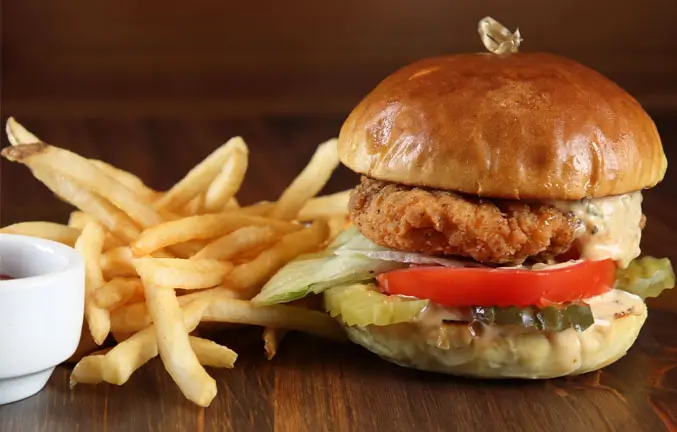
x=437 y=222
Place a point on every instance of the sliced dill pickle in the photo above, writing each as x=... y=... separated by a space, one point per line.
x=551 y=318
x=646 y=277
x=523 y=317
x=364 y=304
x=579 y=316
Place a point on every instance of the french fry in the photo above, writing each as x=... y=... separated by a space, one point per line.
x=262 y=208
x=89 y=370
x=89 y=245
x=181 y=273
x=121 y=336
x=211 y=354
x=17 y=134
x=278 y=316
x=46 y=230
x=118 y=292
x=118 y=262
x=128 y=179
x=337 y=224
x=200 y=228
x=101 y=210
x=228 y=181
x=235 y=243
x=232 y=204
x=252 y=275
x=219 y=291
x=81 y=170
x=195 y=206
x=188 y=249
x=307 y=184
x=271 y=340
x=134 y=316
x=174 y=346
x=159 y=263
x=325 y=206
x=130 y=318
x=138 y=349
x=198 y=179
x=78 y=220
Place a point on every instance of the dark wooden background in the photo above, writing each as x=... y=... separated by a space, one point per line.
x=154 y=86
x=297 y=57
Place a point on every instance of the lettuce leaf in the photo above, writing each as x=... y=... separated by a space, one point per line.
x=316 y=273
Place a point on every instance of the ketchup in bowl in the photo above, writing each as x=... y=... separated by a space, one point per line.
x=5 y=277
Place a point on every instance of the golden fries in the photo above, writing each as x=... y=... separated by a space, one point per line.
x=90 y=245
x=130 y=318
x=307 y=184
x=78 y=220
x=198 y=178
x=280 y=316
x=118 y=292
x=228 y=181
x=232 y=204
x=89 y=370
x=325 y=206
x=271 y=340
x=201 y=227
x=237 y=242
x=251 y=275
x=181 y=273
x=211 y=354
x=17 y=134
x=174 y=346
x=68 y=164
x=128 y=179
x=337 y=224
x=160 y=263
x=117 y=262
x=101 y=210
x=195 y=206
x=46 y=230
x=134 y=316
x=135 y=351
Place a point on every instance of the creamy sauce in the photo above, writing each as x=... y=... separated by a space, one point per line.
x=610 y=227
x=615 y=304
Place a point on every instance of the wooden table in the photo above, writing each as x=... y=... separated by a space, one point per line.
x=313 y=385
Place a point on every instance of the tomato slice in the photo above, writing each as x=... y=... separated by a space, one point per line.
x=503 y=286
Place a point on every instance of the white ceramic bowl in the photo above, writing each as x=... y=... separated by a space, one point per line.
x=41 y=312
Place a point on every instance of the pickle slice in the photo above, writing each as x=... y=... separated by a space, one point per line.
x=551 y=318
x=364 y=304
x=646 y=277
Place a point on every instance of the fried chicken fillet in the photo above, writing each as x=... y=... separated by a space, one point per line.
x=437 y=222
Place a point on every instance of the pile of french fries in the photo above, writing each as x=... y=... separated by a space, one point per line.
x=158 y=264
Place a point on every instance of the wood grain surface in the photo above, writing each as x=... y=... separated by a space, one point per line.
x=314 y=385
x=84 y=58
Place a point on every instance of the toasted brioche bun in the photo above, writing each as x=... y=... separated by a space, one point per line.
x=522 y=126
x=502 y=353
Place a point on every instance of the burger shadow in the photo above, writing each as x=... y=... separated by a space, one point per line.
x=353 y=362
x=308 y=355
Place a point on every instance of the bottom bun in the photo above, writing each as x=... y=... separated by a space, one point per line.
x=502 y=352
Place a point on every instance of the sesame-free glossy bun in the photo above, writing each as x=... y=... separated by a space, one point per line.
x=521 y=126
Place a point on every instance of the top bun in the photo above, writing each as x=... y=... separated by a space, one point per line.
x=521 y=126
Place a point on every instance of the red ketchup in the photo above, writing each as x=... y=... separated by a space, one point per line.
x=5 y=277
